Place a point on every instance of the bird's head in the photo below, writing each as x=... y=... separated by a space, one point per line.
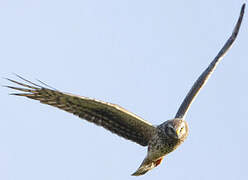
x=176 y=129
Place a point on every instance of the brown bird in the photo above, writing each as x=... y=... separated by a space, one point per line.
x=160 y=140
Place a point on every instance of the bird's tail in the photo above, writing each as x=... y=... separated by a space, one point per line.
x=147 y=165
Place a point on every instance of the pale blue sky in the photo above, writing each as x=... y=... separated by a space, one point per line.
x=143 y=55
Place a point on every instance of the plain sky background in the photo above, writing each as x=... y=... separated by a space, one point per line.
x=141 y=54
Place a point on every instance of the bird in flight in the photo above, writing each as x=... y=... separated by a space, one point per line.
x=161 y=139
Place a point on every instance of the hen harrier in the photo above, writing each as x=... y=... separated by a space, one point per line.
x=160 y=140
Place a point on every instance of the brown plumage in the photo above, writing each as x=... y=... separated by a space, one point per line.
x=160 y=140
x=110 y=116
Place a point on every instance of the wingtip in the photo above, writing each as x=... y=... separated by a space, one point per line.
x=243 y=9
x=243 y=6
x=238 y=24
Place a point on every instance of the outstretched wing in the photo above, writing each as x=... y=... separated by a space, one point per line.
x=206 y=74
x=110 y=116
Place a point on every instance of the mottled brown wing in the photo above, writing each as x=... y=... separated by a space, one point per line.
x=107 y=115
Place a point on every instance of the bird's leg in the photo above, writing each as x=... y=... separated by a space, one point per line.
x=157 y=162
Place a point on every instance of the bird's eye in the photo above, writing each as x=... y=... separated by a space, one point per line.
x=182 y=129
